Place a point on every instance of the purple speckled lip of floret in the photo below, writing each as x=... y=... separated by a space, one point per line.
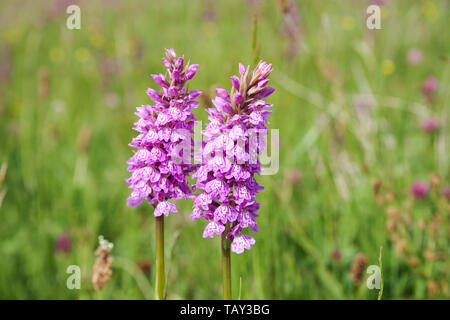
x=158 y=169
x=229 y=159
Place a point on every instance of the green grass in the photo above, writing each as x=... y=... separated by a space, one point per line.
x=60 y=180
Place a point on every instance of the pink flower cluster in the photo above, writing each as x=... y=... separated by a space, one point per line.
x=430 y=124
x=419 y=189
x=157 y=176
x=232 y=140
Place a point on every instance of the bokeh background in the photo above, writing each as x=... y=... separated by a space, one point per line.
x=364 y=146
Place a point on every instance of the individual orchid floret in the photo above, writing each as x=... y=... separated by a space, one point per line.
x=233 y=139
x=162 y=163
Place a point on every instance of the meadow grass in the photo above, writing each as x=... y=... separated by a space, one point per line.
x=67 y=108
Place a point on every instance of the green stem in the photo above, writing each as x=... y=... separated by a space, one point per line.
x=226 y=264
x=160 y=276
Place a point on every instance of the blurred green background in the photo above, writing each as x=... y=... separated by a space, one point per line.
x=362 y=114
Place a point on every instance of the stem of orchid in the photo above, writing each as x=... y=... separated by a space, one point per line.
x=226 y=264
x=160 y=275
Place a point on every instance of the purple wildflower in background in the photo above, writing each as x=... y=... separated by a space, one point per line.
x=446 y=192
x=414 y=56
x=294 y=176
x=420 y=189
x=378 y=2
x=5 y=62
x=363 y=104
x=63 y=243
x=157 y=172
x=58 y=8
x=233 y=139
x=292 y=27
x=429 y=87
x=430 y=124
x=337 y=255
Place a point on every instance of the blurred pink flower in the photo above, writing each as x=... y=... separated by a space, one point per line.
x=430 y=85
x=209 y=14
x=430 y=124
x=419 y=189
x=57 y=8
x=337 y=256
x=414 y=56
x=109 y=66
x=5 y=71
x=363 y=103
x=446 y=192
x=63 y=243
x=5 y=62
x=292 y=27
x=294 y=176
x=112 y=100
x=378 y=2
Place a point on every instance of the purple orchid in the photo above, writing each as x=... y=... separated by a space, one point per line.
x=233 y=139
x=157 y=172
